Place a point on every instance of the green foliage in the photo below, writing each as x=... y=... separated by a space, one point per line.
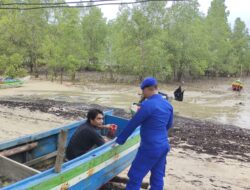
x=219 y=38
x=94 y=32
x=12 y=65
x=186 y=41
x=240 y=43
x=169 y=42
x=138 y=41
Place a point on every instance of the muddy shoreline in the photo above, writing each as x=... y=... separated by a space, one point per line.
x=200 y=136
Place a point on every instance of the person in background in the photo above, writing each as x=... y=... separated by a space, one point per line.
x=87 y=135
x=178 y=94
x=155 y=117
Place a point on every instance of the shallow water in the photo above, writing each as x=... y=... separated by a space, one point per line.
x=211 y=100
x=208 y=99
x=217 y=102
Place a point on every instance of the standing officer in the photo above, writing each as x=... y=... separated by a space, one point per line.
x=155 y=117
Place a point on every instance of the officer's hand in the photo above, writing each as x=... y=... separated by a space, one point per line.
x=109 y=126
x=115 y=145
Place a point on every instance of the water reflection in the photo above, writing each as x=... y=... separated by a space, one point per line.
x=204 y=100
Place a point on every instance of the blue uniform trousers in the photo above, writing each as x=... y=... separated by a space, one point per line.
x=145 y=161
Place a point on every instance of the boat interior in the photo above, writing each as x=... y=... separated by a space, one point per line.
x=33 y=154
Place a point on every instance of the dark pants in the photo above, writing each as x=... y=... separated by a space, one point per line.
x=145 y=161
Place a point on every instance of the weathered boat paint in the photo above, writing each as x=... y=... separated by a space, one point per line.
x=88 y=172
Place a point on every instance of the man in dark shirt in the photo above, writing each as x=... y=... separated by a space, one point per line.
x=178 y=94
x=87 y=135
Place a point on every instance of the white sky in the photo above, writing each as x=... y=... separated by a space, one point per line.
x=237 y=8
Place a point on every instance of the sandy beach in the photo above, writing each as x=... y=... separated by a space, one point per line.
x=16 y=122
x=204 y=156
x=187 y=170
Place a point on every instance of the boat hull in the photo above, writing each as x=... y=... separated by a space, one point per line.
x=87 y=172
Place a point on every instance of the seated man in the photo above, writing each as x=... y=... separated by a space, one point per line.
x=87 y=136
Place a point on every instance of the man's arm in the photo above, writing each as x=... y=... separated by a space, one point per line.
x=98 y=140
x=136 y=120
x=170 y=121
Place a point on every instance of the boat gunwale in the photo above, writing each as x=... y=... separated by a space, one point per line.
x=67 y=166
x=40 y=135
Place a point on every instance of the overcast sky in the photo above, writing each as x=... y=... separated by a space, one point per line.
x=237 y=8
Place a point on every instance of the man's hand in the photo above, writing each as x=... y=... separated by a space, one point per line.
x=108 y=126
x=106 y=139
x=115 y=145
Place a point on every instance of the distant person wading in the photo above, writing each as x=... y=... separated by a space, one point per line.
x=178 y=94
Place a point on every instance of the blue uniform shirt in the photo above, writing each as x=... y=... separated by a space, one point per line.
x=155 y=117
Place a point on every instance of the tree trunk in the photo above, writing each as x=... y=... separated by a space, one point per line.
x=142 y=58
x=31 y=68
x=36 y=74
x=180 y=73
x=248 y=72
x=61 y=76
x=33 y=59
x=73 y=77
x=179 y=76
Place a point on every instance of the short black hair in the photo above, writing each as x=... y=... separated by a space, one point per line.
x=92 y=114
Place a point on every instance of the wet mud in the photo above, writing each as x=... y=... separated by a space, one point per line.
x=211 y=138
x=199 y=135
x=59 y=108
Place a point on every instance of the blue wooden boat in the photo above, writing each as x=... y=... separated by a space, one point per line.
x=88 y=172
x=10 y=83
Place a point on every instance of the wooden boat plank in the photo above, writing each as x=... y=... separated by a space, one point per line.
x=40 y=159
x=14 y=169
x=18 y=149
x=89 y=171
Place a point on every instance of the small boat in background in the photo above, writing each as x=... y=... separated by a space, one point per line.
x=10 y=82
x=237 y=85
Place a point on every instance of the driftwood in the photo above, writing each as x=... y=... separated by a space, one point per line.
x=18 y=149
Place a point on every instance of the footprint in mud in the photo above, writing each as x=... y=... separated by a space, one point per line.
x=209 y=159
x=220 y=161
x=211 y=180
x=222 y=187
x=196 y=183
x=196 y=175
x=177 y=177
